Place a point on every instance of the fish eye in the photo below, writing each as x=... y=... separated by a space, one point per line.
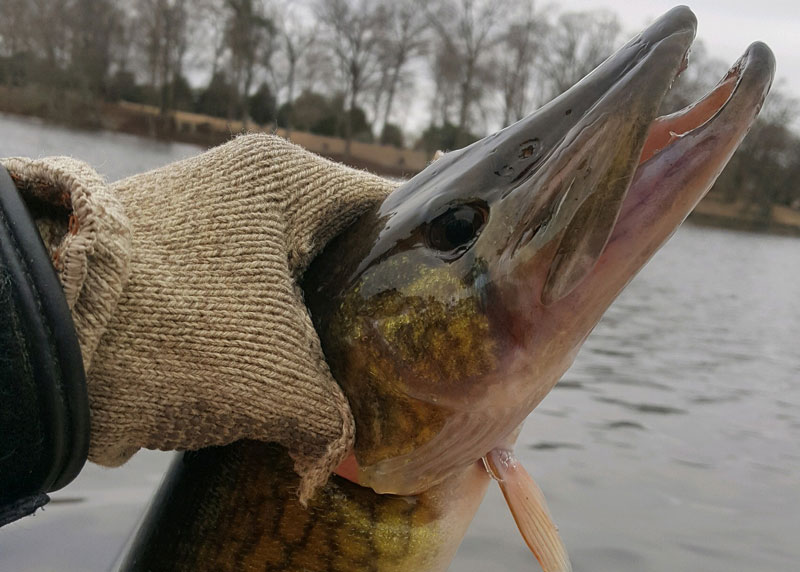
x=457 y=228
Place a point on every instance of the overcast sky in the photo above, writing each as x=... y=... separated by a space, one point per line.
x=727 y=27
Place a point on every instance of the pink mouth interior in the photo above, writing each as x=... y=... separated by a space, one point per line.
x=669 y=128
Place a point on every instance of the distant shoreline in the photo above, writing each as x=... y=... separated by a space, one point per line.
x=782 y=220
x=208 y=131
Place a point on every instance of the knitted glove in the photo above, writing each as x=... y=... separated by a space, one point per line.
x=182 y=283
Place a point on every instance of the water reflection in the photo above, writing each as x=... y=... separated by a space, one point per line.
x=643 y=407
x=552 y=446
x=624 y=425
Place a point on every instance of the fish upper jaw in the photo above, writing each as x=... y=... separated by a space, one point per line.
x=685 y=153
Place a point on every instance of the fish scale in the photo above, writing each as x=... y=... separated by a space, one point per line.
x=251 y=511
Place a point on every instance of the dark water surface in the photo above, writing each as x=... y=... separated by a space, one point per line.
x=673 y=444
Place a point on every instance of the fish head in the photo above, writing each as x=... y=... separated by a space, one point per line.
x=449 y=311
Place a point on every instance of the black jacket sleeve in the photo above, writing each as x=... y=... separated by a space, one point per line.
x=44 y=408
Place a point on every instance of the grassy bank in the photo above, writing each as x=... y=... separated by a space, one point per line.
x=778 y=220
x=208 y=131
x=204 y=130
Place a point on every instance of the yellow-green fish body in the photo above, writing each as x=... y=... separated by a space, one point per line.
x=236 y=508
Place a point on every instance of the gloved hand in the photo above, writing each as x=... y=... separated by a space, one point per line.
x=182 y=284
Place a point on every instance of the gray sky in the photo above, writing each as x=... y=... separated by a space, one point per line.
x=727 y=27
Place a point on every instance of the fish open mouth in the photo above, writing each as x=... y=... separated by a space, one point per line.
x=682 y=156
x=669 y=128
x=695 y=142
x=579 y=195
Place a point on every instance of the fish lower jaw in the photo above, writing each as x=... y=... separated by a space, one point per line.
x=685 y=153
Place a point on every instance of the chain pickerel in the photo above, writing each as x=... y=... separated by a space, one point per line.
x=451 y=310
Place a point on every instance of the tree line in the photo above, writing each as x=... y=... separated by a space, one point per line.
x=355 y=69
x=343 y=67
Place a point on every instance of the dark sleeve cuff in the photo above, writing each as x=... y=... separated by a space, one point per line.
x=44 y=407
x=22 y=507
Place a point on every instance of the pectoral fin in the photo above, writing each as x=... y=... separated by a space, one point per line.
x=348 y=469
x=529 y=509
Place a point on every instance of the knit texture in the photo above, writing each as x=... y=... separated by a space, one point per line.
x=87 y=235
x=205 y=336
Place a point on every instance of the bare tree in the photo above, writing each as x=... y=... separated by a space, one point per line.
x=518 y=54
x=467 y=30
x=445 y=73
x=577 y=43
x=354 y=29
x=405 y=39
x=15 y=26
x=175 y=45
x=49 y=31
x=94 y=24
x=318 y=72
x=248 y=29
x=763 y=170
x=211 y=26
x=67 y=43
x=297 y=38
x=164 y=42
x=272 y=43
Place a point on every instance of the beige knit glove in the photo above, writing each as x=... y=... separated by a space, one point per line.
x=183 y=288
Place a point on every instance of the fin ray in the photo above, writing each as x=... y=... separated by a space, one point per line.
x=529 y=509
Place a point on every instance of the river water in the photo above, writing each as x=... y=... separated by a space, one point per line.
x=673 y=444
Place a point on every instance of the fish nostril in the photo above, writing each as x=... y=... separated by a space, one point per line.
x=530 y=148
